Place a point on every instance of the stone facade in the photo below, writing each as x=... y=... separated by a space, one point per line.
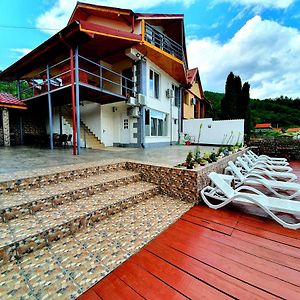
x=1 y=129
x=181 y=183
x=5 y=122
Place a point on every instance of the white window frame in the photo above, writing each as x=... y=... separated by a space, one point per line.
x=152 y=89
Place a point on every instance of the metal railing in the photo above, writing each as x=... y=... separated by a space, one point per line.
x=163 y=42
x=90 y=74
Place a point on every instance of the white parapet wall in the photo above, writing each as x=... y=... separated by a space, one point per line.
x=207 y=131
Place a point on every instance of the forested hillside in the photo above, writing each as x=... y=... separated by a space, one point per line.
x=282 y=111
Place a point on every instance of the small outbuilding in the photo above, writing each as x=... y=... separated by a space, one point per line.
x=11 y=128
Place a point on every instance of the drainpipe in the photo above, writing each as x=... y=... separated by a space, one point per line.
x=73 y=94
x=21 y=121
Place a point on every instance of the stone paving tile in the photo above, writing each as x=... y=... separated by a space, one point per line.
x=26 y=226
x=57 y=169
x=18 y=198
x=71 y=265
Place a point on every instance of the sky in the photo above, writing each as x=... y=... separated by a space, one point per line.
x=259 y=40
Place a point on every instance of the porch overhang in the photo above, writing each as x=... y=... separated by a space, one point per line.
x=75 y=34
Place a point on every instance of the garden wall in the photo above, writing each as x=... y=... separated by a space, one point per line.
x=223 y=132
x=279 y=146
x=181 y=183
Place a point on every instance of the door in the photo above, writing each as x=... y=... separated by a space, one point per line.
x=107 y=126
x=125 y=129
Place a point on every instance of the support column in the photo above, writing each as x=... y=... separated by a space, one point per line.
x=77 y=96
x=21 y=119
x=6 y=131
x=19 y=89
x=141 y=89
x=60 y=121
x=50 y=109
x=180 y=112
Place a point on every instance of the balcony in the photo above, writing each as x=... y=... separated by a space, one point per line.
x=163 y=42
x=92 y=76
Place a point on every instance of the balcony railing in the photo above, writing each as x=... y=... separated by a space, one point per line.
x=163 y=42
x=91 y=74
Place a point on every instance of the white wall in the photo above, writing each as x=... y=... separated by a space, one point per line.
x=163 y=104
x=224 y=132
x=90 y=114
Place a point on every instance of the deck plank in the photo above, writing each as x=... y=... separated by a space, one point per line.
x=111 y=287
x=244 y=273
x=269 y=254
x=180 y=280
x=144 y=283
x=208 y=224
x=191 y=239
x=214 y=277
x=263 y=233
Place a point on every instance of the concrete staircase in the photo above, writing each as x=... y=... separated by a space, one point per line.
x=92 y=141
x=60 y=233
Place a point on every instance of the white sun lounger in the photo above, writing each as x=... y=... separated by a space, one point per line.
x=267 y=157
x=268 y=161
x=225 y=194
x=284 y=190
x=282 y=176
x=265 y=166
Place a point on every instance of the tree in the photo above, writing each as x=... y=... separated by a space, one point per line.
x=228 y=106
x=244 y=111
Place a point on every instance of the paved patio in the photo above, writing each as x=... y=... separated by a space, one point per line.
x=21 y=158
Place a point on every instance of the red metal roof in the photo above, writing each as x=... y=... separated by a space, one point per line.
x=191 y=75
x=263 y=125
x=296 y=129
x=8 y=100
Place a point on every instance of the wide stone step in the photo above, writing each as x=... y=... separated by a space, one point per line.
x=24 y=235
x=68 y=267
x=15 y=205
x=24 y=180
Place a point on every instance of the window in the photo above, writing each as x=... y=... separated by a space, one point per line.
x=155 y=123
x=176 y=90
x=154 y=84
x=186 y=98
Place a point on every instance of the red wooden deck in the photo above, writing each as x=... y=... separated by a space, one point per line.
x=211 y=254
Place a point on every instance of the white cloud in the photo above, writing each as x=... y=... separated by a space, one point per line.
x=262 y=52
x=58 y=16
x=277 y=4
x=21 y=51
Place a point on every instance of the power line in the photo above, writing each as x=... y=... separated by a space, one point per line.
x=27 y=27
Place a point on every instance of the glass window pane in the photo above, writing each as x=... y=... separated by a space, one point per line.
x=156 y=85
x=160 y=127
x=151 y=84
x=153 y=127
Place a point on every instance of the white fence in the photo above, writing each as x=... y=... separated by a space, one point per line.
x=207 y=131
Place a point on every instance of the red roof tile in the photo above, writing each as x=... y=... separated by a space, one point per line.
x=10 y=100
x=263 y=125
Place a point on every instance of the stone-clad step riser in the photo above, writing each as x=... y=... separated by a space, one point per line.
x=20 y=248
x=54 y=201
x=43 y=180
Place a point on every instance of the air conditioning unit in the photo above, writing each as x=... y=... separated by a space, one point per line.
x=131 y=101
x=133 y=54
x=194 y=101
x=141 y=99
x=134 y=112
x=170 y=93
